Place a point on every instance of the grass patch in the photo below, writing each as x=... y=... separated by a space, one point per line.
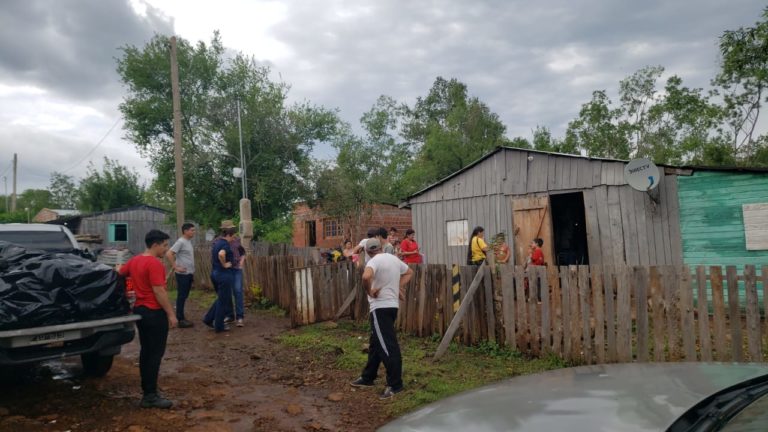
x=462 y=368
x=202 y=297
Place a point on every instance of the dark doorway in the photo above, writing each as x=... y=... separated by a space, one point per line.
x=311 y=229
x=570 y=229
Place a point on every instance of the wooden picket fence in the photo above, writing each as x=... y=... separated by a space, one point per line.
x=586 y=314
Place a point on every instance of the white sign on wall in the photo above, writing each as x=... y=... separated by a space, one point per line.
x=458 y=232
x=756 y=225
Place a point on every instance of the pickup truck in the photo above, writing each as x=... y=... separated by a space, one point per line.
x=95 y=341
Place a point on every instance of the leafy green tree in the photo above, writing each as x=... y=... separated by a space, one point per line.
x=63 y=191
x=34 y=200
x=448 y=130
x=598 y=130
x=742 y=83
x=277 y=137
x=115 y=186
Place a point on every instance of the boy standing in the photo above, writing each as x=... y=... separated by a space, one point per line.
x=182 y=259
x=157 y=316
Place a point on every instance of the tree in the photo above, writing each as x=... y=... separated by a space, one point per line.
x=448 y=130
x=277 y=138
x=63 y=191
x=742 y=83
x=34 y=200
x=114 y=187
x=598 y=131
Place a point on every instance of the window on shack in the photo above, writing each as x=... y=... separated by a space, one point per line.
x=458 y=232
x=118 y=233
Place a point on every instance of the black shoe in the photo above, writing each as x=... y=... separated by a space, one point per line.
x=208 y=324
x=185 y=324
x=389 y=392
x=155 y=401
x=360 y=382
x=225 y=329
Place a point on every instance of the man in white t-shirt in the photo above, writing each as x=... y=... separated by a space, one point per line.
x=182 y=258
x=384 y=280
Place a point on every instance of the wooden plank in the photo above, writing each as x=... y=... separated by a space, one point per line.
x=609 y=284
x=546 y=319
x=641 y=291
x=623 y=313
x=673 y=209
x=565 y=288
x=617 y=234
x=489 y=312
x=598 y=305
x=629 y=226
x=593 y=229
x=522 y=313
x=705 y=342
x=669 y=277
x=533 y=322
x=754 y=339
x=718 y=312
x=508 y=304
x=552 y=173
x=585 y=297
x=657 y=305
x=734 y=316
x=459 y=315
x=465 y=326
x=557 y=310
x=645 y=237
x=604 y=227
x=422 y=296
x=686 y=314
x=575 y=326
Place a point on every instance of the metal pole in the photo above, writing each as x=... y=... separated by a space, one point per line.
x=5 y=182
x=15 y=168
x=242 y=157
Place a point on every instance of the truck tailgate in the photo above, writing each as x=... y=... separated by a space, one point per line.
x=63 y=332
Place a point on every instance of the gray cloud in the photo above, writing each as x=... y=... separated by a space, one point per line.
x=533 y=63
x=69 y=47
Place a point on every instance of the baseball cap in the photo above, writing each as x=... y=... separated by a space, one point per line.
x=373 y=245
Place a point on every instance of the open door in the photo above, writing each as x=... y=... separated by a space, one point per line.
x=311 y=230
x=531 y=219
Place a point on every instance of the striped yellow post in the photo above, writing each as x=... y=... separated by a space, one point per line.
x=456 y=287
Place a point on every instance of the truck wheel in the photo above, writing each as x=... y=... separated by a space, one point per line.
x=96 y=365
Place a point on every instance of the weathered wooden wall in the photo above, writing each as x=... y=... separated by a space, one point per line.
x=139 y=221
x=624 y=226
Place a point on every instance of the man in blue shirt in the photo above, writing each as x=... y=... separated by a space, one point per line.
x=223 y=277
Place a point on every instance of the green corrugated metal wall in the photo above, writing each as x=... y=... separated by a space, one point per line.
x=711 y=221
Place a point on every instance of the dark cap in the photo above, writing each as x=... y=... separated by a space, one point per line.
x=373 y=245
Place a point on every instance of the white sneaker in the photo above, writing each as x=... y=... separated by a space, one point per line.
x=240 y=323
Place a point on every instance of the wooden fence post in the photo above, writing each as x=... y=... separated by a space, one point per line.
x=705 y=342
x=734 y=315
x=754 y=339
x=465 y=304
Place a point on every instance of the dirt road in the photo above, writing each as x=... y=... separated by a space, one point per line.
x=243 y=380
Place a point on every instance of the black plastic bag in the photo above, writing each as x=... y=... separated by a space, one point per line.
x=38 y=288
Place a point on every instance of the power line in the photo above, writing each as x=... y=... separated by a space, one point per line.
x=10 y=164
x=94 y=147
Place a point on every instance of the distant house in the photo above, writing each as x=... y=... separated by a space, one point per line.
x=586 y=212
x=47 y=215
x=118 y=228
x=313 y=228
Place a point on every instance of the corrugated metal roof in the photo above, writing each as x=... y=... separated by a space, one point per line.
x=500 y=148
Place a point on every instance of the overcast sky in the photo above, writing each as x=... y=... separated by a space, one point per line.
x=533 y=63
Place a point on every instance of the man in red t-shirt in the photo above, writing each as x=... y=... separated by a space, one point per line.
x=148 y=276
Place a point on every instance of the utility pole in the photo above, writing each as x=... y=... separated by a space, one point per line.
x=5 y=183
x=246 y=220
x=177 y=136
x=15 y=169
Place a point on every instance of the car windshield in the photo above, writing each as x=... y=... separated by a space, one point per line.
x=51 y=241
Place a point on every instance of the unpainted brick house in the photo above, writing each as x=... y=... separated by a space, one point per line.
x=313 y=228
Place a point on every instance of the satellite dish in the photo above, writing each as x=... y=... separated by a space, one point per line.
x=642 y=175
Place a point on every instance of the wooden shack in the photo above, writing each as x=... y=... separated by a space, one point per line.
x=581 y=207
x=119 y=228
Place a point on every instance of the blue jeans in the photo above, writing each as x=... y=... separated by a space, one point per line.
x=223 y=281
x=237 y=290
x=183 y=286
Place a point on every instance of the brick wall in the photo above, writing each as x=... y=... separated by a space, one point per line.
x=381 y=215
